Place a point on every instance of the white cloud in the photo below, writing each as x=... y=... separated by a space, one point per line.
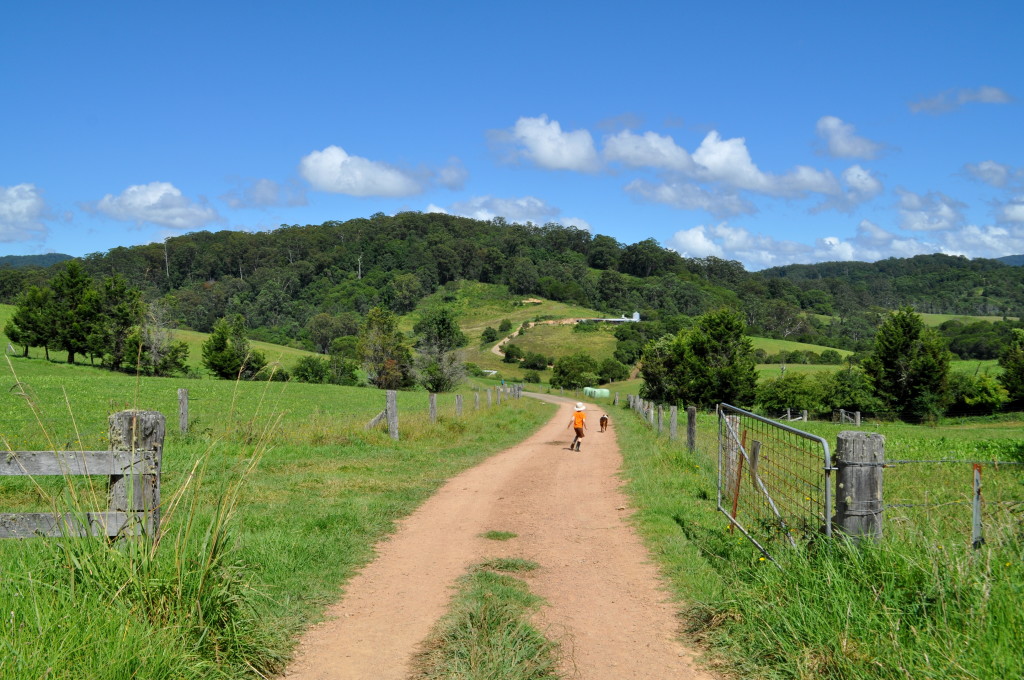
x=931 y=212
x=159 y=203
x=1013 y=212
x=453 y=176
x=984 y=241
x=431 y=208
x=861 y=186
x=22 y=209
x=728 y=161
x=694 y=242
x=577 y=222
x=525 y=209
x=335 y=171
x=992 y=173
x=954 y=99
x=544 y=143
x=265 y=193
x=647 y=150
x=843 y=142
x=686 y=196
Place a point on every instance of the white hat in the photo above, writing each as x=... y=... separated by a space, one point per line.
x=580 y=406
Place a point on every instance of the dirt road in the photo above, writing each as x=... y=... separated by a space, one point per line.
x=605 y=601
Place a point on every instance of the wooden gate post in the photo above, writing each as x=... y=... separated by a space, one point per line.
x=691 y=427
x=859 y=460
x=433 y=407
x=142 y=433
x=392 y=410
x=183 y=410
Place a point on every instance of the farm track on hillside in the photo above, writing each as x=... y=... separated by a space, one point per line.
x=606 y=604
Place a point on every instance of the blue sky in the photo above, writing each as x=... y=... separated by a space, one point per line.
x=769 y=133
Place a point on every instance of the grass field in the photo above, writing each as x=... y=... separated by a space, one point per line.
x=272 y=500
x=921 y=604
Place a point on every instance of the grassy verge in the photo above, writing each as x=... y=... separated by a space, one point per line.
x=486 y=633
x=922 y=604
x=274 y=499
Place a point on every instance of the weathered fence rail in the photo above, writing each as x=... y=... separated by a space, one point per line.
x=132 y=467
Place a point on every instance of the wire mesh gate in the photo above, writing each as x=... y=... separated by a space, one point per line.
x=774 y=481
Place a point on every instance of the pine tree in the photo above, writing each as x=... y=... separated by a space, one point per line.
x=909 y=366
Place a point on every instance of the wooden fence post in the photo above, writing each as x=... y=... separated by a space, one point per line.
x=458 y=405
x=488 y=397
x=859 y=460
x=433 y=407
x=392 y=411
x=138 y=432
x=661 y=412
x=673 y=416
x=183 y=410
x=691 y=428
x=476 y=400
x=497 y=394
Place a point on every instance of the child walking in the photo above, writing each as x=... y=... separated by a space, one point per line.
x=578 y=423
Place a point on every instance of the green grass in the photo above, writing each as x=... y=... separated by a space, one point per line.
x=500 y=535
x=774 y=346
x=311 y=493
x=935 y=320
x=487 y=634
x=922 y=604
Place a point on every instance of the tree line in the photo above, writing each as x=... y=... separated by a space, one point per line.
x=906 y=373
x=106 y=321
x=296 y=285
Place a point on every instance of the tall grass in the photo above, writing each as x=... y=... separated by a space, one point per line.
x=921 y=604
x=273 y=499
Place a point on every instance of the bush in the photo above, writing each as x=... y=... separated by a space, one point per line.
x=513 y=353
x=535 y=361
x=310 y=369
x=532 y=377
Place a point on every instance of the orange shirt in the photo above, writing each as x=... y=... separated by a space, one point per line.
x=577 y=418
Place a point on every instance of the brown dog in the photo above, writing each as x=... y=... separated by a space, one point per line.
x=603 y=422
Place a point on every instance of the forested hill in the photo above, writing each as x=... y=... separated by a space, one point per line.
x=46 y=260
x=281 y=279
x=941 y=284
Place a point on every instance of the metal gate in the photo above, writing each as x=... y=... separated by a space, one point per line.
x=774 y=481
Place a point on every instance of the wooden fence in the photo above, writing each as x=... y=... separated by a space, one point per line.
x=132 y=466
x=390 y=413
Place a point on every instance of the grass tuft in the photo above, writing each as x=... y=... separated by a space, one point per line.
x=487 y=634
x=499 y=535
